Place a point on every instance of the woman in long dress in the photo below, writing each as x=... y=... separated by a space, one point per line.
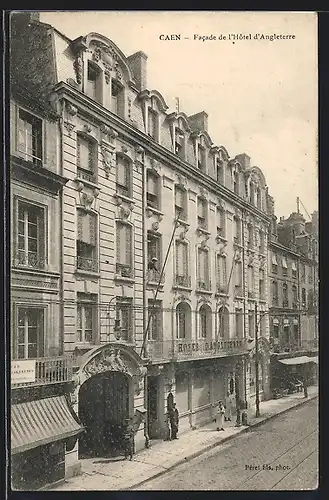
x=220 y=417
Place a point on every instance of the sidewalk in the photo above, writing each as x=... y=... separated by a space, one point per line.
x=162 y=456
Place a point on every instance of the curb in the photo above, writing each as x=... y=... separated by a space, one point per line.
x=218 y=443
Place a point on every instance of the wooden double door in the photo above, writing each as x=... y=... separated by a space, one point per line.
x=103 y=408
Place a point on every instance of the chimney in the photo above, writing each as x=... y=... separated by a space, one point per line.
x=199 y=121
x=137 y=63
x=243 y=159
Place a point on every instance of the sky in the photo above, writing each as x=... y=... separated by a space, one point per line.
x=260 y=95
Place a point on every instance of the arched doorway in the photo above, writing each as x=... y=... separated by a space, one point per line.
x=103 y=407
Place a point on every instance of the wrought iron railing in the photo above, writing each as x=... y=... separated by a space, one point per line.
x=29 y=259
x=52 y=370
x=86 y=176
x=87 y=264
x=182 y=280
x=251 y=294
x=204 y=284
x=124 y=270
x=238 y=292
x=189 y=349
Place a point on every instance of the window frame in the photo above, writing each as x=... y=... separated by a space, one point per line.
x=40 y=353
x=125 y=305
x=84 y=300
x=155 y=306
x=183 y=215
x=124 y=190
x=87 y=174
x=123 y=269
x=157 y=203
x=82 y=264
x=36 y=160
x=202 y=220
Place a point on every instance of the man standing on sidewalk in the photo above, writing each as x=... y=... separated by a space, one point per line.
x=174 y=420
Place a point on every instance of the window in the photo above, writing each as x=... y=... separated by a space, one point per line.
x=261 y=242
x=29 y=137
x=30 y=333
x=124 y=249
x=310 y=275
x=181 y=251
x=236 y=182
x=124 y=318
x=203 y=269
x=201 y=158
x=155 y=314
x=180 y=203
x=123 y=181
x=86 y=317
x=250 y=236
x=237 y=230
x=239 y=323
x=285 y=295
x=303 y=297
x=152 y=190
x=152 y=128
x=87 y=241
x=294 y=296
x=252 y=193
x=30 y=243
x=220 y=216
x=116 y=93
x=183 y=320
x=261 y=284
x=221 y=275
x=224 y=323
x=274 y=264
x=154 y=263
x=86 y=159
x=205 y=315
x=238 y=278
x=258 y=198
x=284 y=267
x=220 y=171
x=275 y=294
x=251 y=282
x=179 y=143
x=94 y=82
x=251 y=324
x=202 y=213
x=302 y=272
x=275 y=331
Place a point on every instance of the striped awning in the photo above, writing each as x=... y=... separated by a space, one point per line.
x=36 y=423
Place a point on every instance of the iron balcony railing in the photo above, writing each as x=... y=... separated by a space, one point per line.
x=29 y=259
x=86 y=176
x=189 y=349
x=204 y=284
x=182 y=280
x=87 y=264
x=153 y=276
x=124 y=270
x=52 y=370
x=238 y=292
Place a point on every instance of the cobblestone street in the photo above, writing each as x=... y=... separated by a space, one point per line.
x=282 y=454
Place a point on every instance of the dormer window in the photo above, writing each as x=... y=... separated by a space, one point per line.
x=235 y=183
x=116 y=97
x=201 y=158
x=123 y=177
x=29 y=137
x=179 y=143
x=93 y=89
x=258 y=198
x=220 y=171
x=152 y=190
x=152 y=128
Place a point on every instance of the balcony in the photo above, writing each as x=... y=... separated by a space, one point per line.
x=29 y=259
x=204 y=285
x=182 y=349
x=87 y=264
x=85 y=175
x=221 y=289
x=182 y=281
x=124 y=270
x=43 y=371
x=153 y=276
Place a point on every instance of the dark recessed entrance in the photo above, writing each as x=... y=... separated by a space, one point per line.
x=103 y=408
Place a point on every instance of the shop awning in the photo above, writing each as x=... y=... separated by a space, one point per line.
x=40 y=422
x=301 y=360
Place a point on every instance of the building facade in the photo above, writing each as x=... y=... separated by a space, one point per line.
x=160 y=247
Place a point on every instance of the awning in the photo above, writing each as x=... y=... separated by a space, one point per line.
x=284 y=263
x=301 y=360
x=40 y=422
x=274 y=261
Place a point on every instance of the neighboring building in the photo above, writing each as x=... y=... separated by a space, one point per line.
x=293 y=282
x=162 y=243
x=42 y=422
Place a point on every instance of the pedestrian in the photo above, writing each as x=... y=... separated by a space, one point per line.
x=174 y=420
x=305 y=387
x=167 y=424
x=228 y=407
x=128 y=439
x=220 y=417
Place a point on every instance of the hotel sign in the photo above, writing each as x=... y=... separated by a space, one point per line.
x=23 y=371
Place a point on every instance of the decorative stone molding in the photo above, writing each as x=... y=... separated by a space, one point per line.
x=70 y=109
x=79 y=185
x=181 y=181
x=125 y=149
x=124 y=212
x=97 y=54
x=69 y=127
x=108 y=360
x=182 y=297
x=78 y=68
x=87 y=128
x=87 y=200
x=108 y=157
x=129 y=107
x=155 y=226
x=138 y=379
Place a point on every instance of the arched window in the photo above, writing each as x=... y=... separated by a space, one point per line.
x=220 y=171
x=205 y=316
x=94 y=82
x=258 y=198
x=252 y=193
x=183 y=321
x=223 y=323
